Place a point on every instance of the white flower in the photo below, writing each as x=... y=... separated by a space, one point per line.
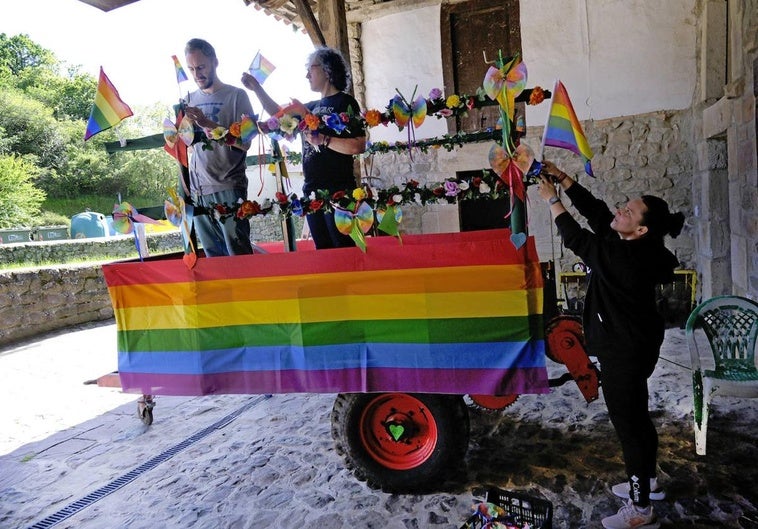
x=397 y=199
x=463 y=186
x=288 y=123
x=484 y=188
x=417 y=198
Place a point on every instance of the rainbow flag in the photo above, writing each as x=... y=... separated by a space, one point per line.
x=261 y=68
x=108 y=110
x=563 y=129
x=457 y=313
x=180 y=74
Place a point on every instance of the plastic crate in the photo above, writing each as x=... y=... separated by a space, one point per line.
x=537 y=512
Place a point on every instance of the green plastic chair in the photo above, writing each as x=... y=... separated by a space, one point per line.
x=730 y=324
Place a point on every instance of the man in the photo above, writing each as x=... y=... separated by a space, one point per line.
x=217 y=175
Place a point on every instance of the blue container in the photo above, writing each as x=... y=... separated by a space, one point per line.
x=88 y=224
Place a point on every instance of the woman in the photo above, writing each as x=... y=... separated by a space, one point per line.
x=327 y=155
x=627 y=259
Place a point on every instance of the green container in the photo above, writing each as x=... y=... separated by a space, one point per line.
x=15 y=235
x=51 y=233
x=88 y=224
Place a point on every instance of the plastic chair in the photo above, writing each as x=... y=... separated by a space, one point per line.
x=730 y=324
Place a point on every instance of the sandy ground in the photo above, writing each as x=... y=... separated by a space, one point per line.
x=244 y=461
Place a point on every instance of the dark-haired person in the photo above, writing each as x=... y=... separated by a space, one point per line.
x=217 y=175
x=627 y=259
x=327 y=155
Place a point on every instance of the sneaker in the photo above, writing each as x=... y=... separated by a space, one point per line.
x=656 y=491
x=632 y=517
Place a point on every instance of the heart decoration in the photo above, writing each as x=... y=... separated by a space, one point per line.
x=396 y=431
x=518 y=239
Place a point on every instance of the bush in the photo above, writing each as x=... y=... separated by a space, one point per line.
x=20 y=200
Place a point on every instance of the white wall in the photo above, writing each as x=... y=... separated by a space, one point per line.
x=402 y=51
x=615 y=57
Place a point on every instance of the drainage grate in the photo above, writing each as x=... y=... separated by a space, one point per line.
x=73 y=508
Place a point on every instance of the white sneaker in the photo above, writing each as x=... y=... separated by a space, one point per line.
x=632 y=517
x=656 y=491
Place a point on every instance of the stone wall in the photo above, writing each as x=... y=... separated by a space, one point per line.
x=33 y=302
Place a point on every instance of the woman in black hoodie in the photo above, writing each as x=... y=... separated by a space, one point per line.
x=627 y=259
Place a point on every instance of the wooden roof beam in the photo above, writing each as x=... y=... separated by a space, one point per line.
x=309 y=22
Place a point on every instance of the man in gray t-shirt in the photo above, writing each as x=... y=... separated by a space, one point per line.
x=217 y=175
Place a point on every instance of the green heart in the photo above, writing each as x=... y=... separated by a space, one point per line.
x=396 y=430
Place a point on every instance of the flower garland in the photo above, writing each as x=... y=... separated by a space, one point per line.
x=487 y=186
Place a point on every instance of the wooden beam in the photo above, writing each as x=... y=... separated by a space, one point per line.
x=331 y=15
x=309 y=21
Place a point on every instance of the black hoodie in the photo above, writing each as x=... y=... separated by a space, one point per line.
x=621 y=322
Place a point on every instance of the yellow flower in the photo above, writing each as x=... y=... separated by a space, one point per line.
x=217 y=133
x=359 y=193
x=453 y=101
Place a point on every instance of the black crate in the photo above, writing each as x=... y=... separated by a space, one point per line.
x=525 y=508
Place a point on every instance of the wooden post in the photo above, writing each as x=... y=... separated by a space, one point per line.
x=333 y=22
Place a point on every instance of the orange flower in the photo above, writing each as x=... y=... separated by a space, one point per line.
x=312 y=121
x=234 y=129
x=373 y=118
x=248 y=209
x=537 y=96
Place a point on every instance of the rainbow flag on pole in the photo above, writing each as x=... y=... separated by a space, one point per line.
x=261 y=68
x=108 y=111
x=457 y=313
x=563 y=129
x=180 y=74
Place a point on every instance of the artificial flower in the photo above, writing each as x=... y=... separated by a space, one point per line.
x=435 y=93
x=453 y=101
x=359 y=193
x=312 y=121
x=316 y=205
x=537 y=96
x=288 y=124
x=334 y=122
x=216 y=133
x=235 y=130
x=373 y=118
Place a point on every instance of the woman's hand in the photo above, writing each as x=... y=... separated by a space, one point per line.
x=546 y=188
x=250 y=82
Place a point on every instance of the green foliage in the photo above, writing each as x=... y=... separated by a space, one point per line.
x=43 y=115
x=19 y=52
x=20 y=200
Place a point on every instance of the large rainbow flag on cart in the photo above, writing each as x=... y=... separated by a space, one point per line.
x=457 y=313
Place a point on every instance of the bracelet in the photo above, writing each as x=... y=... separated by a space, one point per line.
x=561 y=177
x=553 y=200
x=327 y=141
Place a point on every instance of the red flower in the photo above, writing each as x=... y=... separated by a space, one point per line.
x=221 y=209
x=477 y=181
x=338 y=195
x=470 y=102
x=344 y=117
x=316 y=205
x=438 y=191
x=248 y=209
x=281 y=197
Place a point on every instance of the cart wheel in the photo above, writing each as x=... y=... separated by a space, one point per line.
x=145 y=407
x=400 y=442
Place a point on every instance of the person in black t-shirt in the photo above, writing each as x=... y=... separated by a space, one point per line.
x=327 y=155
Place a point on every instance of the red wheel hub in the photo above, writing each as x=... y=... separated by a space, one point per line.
x=398 y=431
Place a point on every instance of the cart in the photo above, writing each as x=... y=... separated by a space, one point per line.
x=401 y=333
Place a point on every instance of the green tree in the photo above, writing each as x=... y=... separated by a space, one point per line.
x=19 y=52
x=20 y=200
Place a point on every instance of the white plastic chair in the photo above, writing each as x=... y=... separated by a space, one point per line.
x=730 y=324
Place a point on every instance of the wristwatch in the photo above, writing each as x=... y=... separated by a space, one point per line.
x=553 y=200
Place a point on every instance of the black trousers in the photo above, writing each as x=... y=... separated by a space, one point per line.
x=626 y=396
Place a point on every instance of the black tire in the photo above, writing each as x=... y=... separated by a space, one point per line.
x=436 y=441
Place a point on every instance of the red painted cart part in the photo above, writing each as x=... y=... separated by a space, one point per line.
x=493 y=403
x=397 y=431
x=565 y=345
x=111 y=380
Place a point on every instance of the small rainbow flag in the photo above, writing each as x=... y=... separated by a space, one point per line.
x=248 y=129
x=108 y=110
x=563 y=129
x=180 y=74
x=261 y=68
x=416 y=317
